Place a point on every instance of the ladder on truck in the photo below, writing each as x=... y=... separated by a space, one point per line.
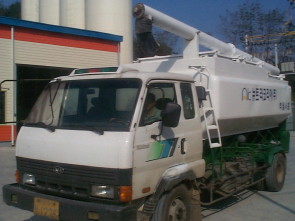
x=207 y=107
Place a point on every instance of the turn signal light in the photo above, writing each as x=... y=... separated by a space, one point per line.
x=125 y=193
x=146 y=190
x=16 y=175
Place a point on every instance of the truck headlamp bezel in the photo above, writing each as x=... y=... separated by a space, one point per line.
x=103 y=191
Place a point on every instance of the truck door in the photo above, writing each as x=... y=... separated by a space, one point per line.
x=154 y=154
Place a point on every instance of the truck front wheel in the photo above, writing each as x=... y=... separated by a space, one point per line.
x=174 y=205
x=275 y=174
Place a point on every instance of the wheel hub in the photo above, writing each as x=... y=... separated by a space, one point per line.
x=177 y=211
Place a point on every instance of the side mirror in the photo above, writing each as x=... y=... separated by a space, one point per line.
x=171 y=114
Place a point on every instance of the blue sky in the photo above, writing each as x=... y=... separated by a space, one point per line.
x=201 y=14
x=204 y=14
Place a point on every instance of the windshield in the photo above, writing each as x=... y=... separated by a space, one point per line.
x=104 y=104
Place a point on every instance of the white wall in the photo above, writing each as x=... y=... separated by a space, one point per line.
x=114 y=17
x=72 y=13
x=49 y=12
x=30 y=10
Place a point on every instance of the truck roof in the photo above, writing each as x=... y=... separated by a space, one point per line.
x=123 y=72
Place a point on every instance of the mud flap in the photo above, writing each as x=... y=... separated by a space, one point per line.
x=195 y=205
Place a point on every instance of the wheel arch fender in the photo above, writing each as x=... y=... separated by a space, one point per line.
x=177 y=174
x=273 y=152
x=168 y=181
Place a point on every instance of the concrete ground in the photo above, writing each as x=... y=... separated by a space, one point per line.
x=249 y=205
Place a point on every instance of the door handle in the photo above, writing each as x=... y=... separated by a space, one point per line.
x=182 y=146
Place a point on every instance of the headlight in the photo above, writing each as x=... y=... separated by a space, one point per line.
x=103 y=191
x=29 y=179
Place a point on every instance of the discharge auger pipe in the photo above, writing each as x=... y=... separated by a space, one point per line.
x=187 y=32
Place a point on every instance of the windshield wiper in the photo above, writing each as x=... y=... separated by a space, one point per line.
x=42 y=125
x=88 y=127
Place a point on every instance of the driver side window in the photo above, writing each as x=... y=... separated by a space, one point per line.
x=158 y=95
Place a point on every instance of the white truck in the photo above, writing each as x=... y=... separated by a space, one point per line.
x=156 y=139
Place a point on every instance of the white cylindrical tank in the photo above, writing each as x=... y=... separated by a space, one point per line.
x=49 y=11
x=30 y=10
x=72 y=13
x=114 y=17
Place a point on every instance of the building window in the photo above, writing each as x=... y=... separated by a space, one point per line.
x=2 y=106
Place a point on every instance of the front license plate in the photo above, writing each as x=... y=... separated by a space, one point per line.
x=48 y=208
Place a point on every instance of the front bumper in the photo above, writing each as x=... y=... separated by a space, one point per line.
x=68 y=209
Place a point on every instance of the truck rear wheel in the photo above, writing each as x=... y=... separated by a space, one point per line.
x=275 y=174
x=174 y=205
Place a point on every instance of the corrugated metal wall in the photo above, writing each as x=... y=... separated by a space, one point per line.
x=50 y=55
x=42 y=48
x=6 y=67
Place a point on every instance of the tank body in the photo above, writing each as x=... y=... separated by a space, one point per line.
x=114 y=17
x=244 y=97
x=72 y=13
x=49 y=12
x=30 y=10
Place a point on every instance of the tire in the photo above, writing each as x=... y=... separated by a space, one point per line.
x=174 y=205
x=275 y=174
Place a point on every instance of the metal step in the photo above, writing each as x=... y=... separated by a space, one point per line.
x=214 y=145
x=212 y=127
x=207 y=109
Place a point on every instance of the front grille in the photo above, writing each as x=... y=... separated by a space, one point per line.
x=75 y=180
x=81 y=191
x=82 y=173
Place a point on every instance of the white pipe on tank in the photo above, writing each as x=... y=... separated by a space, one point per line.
x=30 y=10
x=166 y=22
x=183 y=30
x=72 y=13
x=49 y=11
x=188 y=33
